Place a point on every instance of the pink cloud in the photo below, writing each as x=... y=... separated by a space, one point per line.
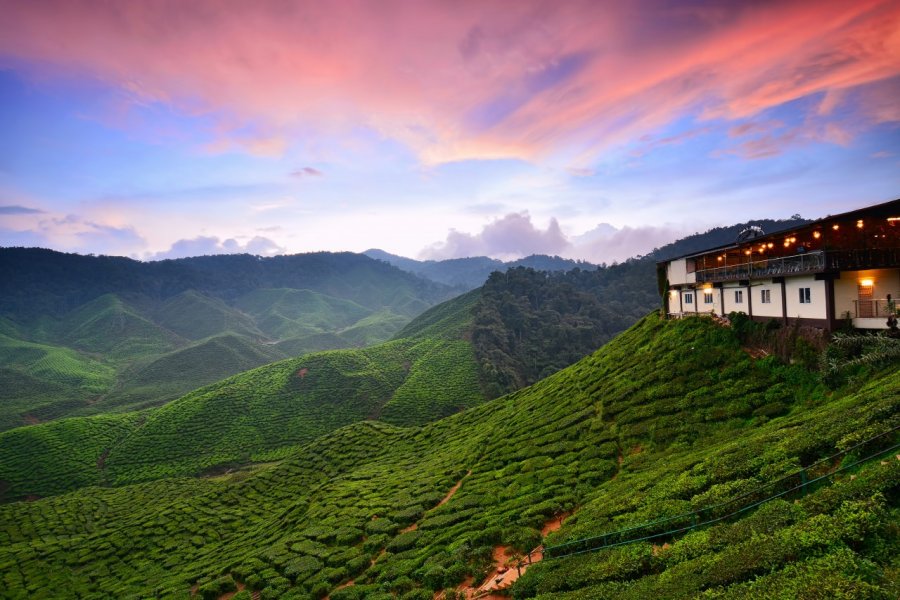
x=460 y=80
x=509 y=237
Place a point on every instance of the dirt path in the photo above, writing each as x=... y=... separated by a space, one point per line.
x=509 y=566
x=453 y=490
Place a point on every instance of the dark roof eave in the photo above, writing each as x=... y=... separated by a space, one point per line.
x=847 y=215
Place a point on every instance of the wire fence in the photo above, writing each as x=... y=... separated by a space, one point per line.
x=801 y=481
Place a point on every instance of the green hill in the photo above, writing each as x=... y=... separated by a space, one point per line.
x=668 y=418
x=181 y=371
x=153 y=328
x=267 y=412
x=286 y=313
x=107 y=325
x=41 y=381
x=194 y=316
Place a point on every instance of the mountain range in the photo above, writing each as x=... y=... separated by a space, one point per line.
x=451 y=443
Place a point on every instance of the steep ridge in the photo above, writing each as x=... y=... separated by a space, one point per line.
x=667 y=417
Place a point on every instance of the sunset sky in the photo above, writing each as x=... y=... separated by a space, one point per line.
x=436 y=129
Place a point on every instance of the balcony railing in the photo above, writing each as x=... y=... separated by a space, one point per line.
x=875 y=258
x=809 y=262
x=873 y=308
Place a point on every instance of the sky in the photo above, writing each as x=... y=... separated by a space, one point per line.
x=435 y=128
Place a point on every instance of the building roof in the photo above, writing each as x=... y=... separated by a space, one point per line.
x=885 y=209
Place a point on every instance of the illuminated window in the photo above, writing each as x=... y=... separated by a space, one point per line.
x=738 y=296
x=765 y=296
x=805 y=296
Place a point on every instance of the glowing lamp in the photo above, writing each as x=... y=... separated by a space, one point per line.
x=859 y=223
x=866 y=282
x=786 y=243
x=835 y=226
x=816 y=234
x=747 y=252
x=770 y=244
x=719 y=258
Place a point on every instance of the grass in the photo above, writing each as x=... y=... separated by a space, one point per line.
x=663 y=419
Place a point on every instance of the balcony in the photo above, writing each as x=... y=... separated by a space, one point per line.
x=872 y=309
x=808 y=262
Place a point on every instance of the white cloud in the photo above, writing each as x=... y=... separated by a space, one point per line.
x=512 y=236
x=207 y=245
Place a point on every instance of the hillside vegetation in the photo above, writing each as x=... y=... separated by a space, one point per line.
x=667 y=418
x=129 y=335
x=256 y=416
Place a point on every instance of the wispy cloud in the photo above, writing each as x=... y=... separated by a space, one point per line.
x=306 y=172
x=468 y=80
x=19 y=210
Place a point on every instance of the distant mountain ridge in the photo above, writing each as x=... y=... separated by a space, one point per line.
x=470 y=273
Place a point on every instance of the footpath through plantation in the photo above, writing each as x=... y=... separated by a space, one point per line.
x=668 y=418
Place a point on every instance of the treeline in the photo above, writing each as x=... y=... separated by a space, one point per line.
x=529 y=324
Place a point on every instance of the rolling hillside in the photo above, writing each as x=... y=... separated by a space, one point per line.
x=668 y=418
x=159 y=330
x=256 y=416
x=520 y=326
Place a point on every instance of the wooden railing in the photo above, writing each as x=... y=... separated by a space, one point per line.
x=807 y=262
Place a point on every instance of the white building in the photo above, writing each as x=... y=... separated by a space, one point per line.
x=843 y=266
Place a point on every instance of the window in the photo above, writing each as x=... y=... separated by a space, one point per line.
x=707 y=298
x=765 y=296
x=805 y=296
x=738 y=296
x=689 y=298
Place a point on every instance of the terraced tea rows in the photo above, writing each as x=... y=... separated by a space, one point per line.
x=616 y=438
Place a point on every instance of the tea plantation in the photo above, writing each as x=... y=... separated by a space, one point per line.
x=257 y=416
x=667 y=418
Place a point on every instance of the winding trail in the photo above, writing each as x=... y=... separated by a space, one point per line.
x=509 y=566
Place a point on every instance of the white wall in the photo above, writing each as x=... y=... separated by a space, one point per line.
x=766 y=310
x=887 y=281
x=730 y=304
x=816 y=309
x=692 y=306
x=677 y=274
x=715 y=305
